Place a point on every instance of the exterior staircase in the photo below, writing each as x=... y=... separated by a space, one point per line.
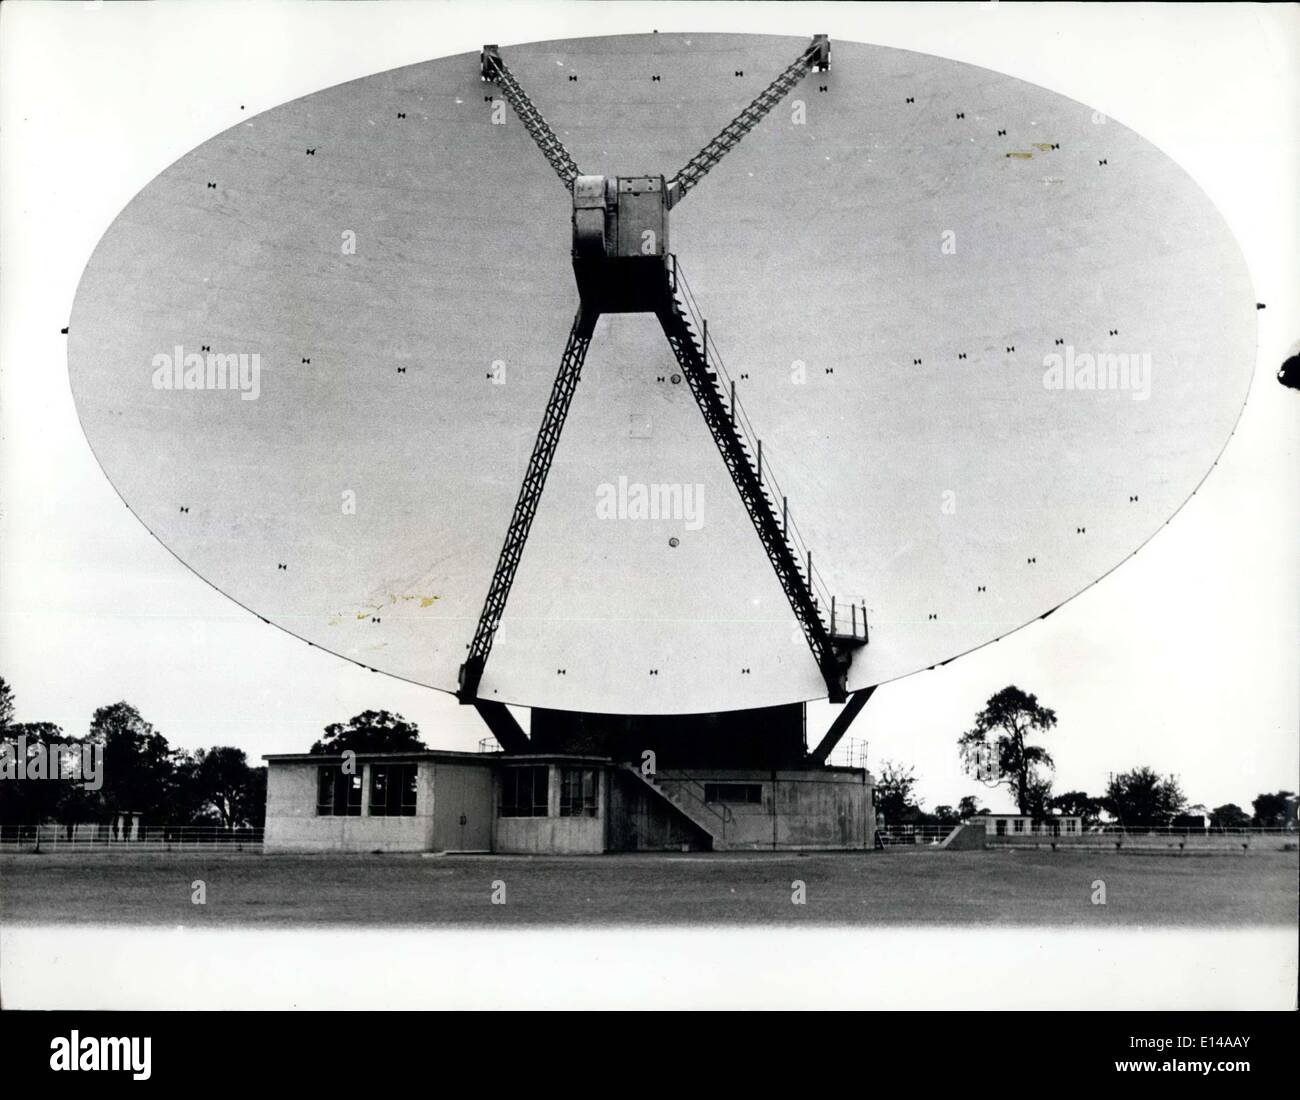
x=742 y=452
x=689 y=804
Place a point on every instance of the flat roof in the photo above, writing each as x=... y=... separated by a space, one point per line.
x=409 y=754
x=432 y=754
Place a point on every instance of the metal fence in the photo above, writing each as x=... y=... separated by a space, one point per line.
x=891 y=836
x=1156 y=838
x=851 y=752
x=88 y=836
x=1098 y=836
x=1044 y=829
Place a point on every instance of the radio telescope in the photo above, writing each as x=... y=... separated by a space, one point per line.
x=847 y=360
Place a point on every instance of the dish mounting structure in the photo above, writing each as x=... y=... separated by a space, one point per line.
x=622 y=264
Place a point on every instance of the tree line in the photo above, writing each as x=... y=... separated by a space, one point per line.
x=141 y=772
x=998 y=751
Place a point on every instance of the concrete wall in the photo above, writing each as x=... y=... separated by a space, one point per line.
x=641 y=821
x=807 y=808
x=553 y=834
x=967 y=837
x=292 y=824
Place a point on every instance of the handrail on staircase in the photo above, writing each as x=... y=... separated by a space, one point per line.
x=750 y=433
x=725 y=816
x=713 y=357
x=723 y=812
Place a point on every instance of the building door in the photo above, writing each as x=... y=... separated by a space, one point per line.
x=463 y=808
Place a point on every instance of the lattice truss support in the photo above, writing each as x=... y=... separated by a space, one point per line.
x=496 y=71
x=530 y=494
x=817 y=55
x=832 y=656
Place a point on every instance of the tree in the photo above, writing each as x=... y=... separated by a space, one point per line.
x=1229 y=816
x=33 y=803
x=371 y=731
x=140 y=773
x=1271 y=810
x=995 y=750
x=969 y=806
x=255 y=798
x=1192 y=817
x=216 y=787
x=78 y=803
x=1142 y=799
x=1079 y=804
x=35 y=800
x=1038 y=799
x=894 y=793
x=224 y=782
x=947 y=816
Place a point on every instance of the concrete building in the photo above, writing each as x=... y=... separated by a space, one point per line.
x=547 y=803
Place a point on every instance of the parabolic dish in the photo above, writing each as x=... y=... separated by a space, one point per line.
x=887 y=277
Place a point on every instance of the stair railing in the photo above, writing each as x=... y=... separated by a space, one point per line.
x=719 y=810
x=771 y=486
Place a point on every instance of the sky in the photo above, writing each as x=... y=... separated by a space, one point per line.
x=1184 y=659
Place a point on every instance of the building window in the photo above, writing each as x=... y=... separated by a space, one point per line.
x=578 y=792
x=392 y=790
x=1002 y=826
x=524 y=791
x=1071 y=826
x=338 y=794
x=749 y=793
x=1018 y=825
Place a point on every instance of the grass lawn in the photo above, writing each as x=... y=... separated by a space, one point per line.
x=853 y=889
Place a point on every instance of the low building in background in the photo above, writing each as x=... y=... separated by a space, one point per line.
x=1014 y=825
